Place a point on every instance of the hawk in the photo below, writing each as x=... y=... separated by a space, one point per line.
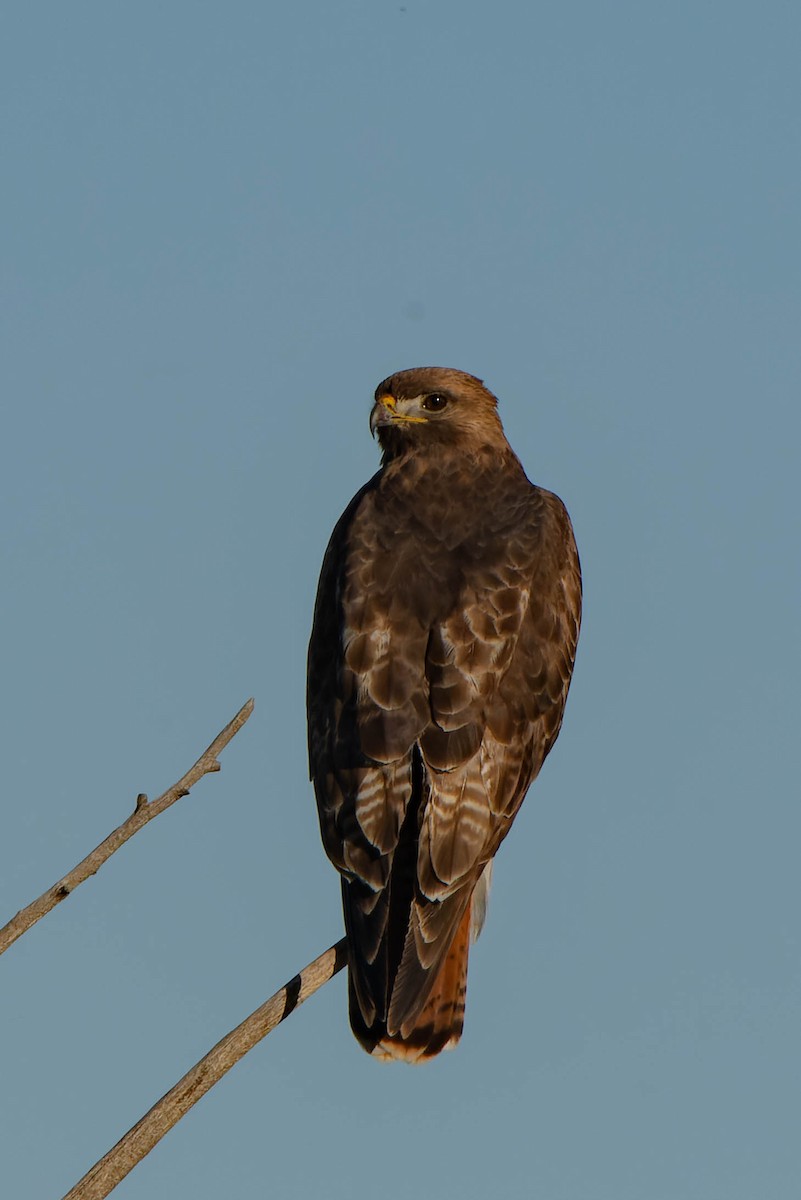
x=441 y=652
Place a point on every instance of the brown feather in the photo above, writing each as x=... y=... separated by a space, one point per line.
x=441 y=1020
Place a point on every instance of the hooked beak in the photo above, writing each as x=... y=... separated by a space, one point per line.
x=385 y=412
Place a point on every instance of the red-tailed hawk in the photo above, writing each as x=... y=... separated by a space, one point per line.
x=444 y=635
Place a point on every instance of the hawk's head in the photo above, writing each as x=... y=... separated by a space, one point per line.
x=437 y=407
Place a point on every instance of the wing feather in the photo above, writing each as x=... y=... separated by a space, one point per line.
x=441 y=654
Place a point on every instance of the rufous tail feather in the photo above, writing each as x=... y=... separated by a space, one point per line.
x=440 y=1023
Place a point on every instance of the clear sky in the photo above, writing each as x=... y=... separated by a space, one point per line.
x=223 y=224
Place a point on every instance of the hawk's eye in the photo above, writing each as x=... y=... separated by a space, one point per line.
x=435 y=402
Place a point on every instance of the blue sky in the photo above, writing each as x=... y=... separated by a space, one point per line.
x=223 y=225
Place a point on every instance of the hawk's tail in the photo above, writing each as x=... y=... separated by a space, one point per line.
x=441 y=1020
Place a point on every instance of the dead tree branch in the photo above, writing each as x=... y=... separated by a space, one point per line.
x=140 y=1140
x=145 y=811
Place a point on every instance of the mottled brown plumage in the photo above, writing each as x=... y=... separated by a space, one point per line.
x=444 y=635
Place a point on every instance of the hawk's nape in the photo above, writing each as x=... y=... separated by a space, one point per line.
x=443 y=642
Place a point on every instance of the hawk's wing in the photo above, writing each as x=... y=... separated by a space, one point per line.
x=438 y=675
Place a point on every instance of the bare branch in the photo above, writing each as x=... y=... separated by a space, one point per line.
x=140 y=1140
x=145 y=811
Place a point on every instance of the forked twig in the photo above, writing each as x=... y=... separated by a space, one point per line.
x=140 y=1140
x=145 y=811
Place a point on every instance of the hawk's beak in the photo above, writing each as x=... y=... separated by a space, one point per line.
x=385 y=412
